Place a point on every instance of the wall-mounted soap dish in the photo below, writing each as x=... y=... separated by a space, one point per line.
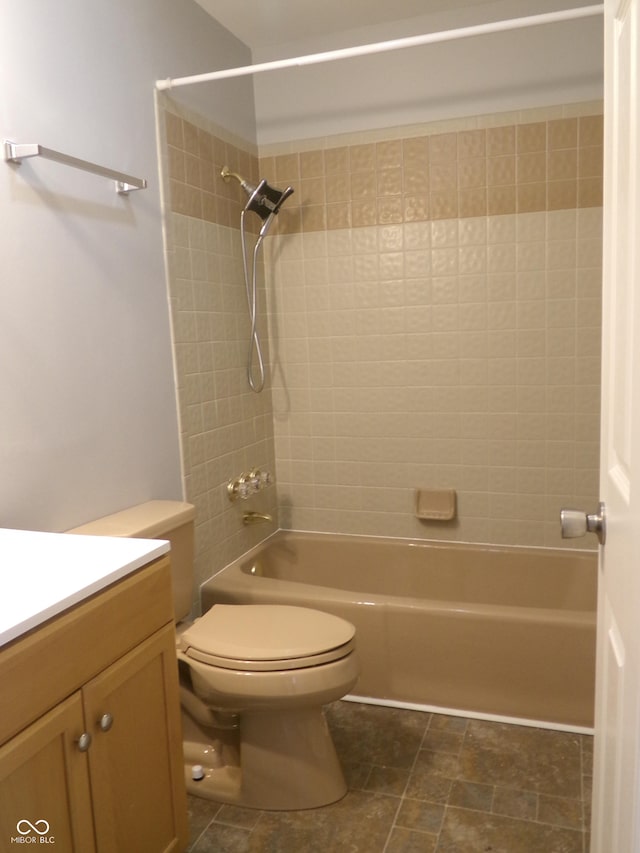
x=435 y=504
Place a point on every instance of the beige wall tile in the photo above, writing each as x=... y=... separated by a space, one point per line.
x=311 y=164
x=590 y=161
x=590 y=130
x=562 y=164
x=468 y=173
x=443 y=148
x=531 y=137
x=501 y=171
x=472 y=172
x=336 y=160
x=501 y=200
x=501 y=140
x=389 y=154
x=498 y=372
x=445 y=325
x=287 y=168
x=443 y=204
x=362 y=157
x=589 y=192
x=531 y=167
x=562 y=195
x=472 y=144
x=563 y=133
x=337 y=187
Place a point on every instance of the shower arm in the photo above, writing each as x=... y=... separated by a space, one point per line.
x=226 y=174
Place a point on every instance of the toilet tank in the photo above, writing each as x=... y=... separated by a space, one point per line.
x=172 y=520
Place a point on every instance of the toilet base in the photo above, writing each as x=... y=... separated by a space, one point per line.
x=287 y=761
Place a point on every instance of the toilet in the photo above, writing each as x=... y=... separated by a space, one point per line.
x=253 y=680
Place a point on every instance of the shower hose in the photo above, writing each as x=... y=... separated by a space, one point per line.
x=250 y=281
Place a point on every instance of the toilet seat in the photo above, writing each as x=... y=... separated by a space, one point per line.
x=267 y=637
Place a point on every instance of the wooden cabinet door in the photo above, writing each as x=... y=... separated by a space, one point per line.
x=44 y=784
x=136 y=764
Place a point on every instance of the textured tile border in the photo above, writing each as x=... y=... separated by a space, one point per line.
x=520 y=162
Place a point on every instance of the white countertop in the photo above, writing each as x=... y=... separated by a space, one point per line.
x=42 y=574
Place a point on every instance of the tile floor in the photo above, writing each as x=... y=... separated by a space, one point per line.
x=426 y=783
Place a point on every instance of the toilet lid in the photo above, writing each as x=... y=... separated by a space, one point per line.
x=267 y=637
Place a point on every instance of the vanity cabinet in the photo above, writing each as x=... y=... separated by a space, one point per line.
x=44 y=780
x=91 y=754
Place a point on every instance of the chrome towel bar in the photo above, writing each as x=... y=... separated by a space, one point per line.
x=15 y=152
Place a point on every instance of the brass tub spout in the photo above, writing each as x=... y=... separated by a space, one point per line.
x=255 y=517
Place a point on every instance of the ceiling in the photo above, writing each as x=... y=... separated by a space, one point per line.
x=259 y=23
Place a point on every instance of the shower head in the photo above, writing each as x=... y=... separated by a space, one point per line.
x=264 y=200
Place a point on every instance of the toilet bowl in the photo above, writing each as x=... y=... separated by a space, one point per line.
x=274 y=667
x=253 y=680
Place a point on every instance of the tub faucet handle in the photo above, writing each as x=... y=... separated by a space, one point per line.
x=248 y=484
x=575 y=523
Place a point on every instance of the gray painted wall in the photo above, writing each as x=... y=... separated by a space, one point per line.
x=88 y=421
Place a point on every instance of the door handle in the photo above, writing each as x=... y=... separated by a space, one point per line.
x=575 y=523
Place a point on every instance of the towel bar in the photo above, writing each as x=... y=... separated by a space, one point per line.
x=15 y=152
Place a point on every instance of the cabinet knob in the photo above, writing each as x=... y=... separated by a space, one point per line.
x=105 y=722
x=84 y=741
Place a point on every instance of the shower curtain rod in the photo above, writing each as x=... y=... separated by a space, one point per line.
x=384 y=46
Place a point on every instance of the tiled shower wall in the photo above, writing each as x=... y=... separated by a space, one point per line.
x=225 y=428
x=434 y=299
x=435 y=324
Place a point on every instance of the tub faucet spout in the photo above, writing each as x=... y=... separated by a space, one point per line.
x=255 y=517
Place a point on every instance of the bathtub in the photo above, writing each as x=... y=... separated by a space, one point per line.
x=485 y=631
